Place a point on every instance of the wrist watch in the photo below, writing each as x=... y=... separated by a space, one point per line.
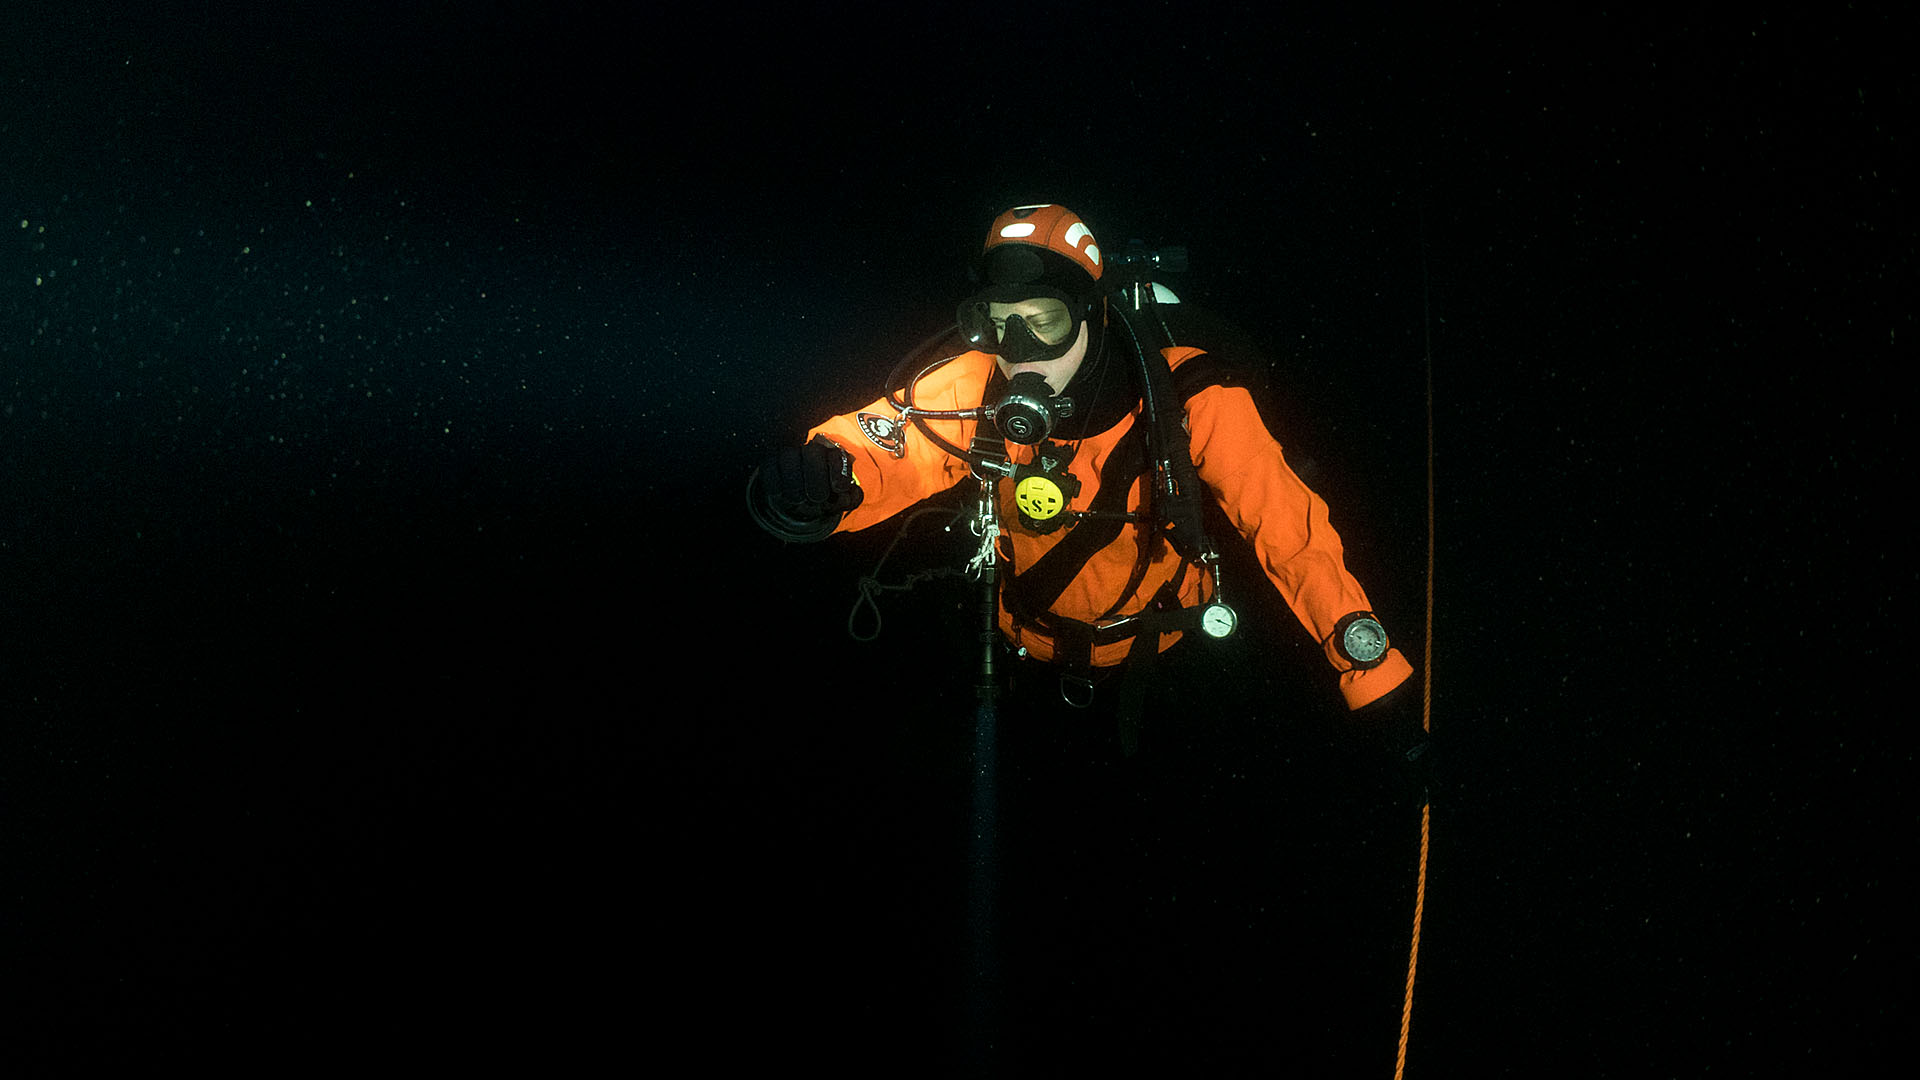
x=1360 y=639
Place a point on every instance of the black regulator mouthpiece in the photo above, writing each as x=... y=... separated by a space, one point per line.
x=1029 y=411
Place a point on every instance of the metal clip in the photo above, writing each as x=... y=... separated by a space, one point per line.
x=988 y=530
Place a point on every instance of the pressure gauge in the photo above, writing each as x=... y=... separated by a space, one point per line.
x=1218 y=620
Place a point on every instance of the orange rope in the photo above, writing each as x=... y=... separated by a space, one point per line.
x=1413 y=958
x=1426 y=694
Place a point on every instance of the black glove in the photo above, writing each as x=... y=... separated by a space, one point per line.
x=800 y=494
x=1395 y=722
x=1419 y=767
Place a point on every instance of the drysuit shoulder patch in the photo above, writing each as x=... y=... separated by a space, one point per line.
x=882 y=431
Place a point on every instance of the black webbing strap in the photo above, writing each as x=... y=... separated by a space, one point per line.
x=1074 y=641
x=1029 y=594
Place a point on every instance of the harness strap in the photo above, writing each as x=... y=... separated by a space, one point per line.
x=1034 y=591
x=1074 y=640
x=1028 y=596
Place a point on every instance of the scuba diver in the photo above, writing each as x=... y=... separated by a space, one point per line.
x=1107 y=436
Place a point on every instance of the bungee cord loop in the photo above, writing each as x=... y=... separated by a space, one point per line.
x=870 y=586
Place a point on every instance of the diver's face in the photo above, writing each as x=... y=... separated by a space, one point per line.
x=1049 y=322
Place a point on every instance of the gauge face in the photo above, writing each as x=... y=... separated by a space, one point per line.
x=1365 y=641
x=1218 y=620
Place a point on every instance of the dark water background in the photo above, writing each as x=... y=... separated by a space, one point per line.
x=387 y=663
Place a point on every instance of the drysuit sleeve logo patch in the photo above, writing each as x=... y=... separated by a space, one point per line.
x=882 y=431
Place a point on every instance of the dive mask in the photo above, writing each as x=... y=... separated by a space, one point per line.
x=1030 y=305
x=1024 y=331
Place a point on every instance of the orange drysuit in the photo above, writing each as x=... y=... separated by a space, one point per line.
x=1235 y=456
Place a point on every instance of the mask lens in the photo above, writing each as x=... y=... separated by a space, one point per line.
x=1046 y=317
x=1023 y=331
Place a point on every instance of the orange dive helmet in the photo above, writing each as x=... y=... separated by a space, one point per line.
x=1048 y=226
x=1042 y=252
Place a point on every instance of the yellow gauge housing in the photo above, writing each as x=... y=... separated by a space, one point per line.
x=1039 y=498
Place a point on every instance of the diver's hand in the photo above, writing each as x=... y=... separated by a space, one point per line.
x=811 y=482
x=799 y=493
x=1395 y=722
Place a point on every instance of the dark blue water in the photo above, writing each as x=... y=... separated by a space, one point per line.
x=386 y=659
